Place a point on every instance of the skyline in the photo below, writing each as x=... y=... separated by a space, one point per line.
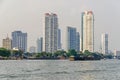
x=23 y=15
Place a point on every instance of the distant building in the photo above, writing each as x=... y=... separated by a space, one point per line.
x=32 y=49
x=104 y=43
x=77 y=42
x=39 y=45
x=87 y=31
x=59 y=39
x=117 y=53
x=73 y=39
x=19 y=40
x=51 y=32
x=7 y=43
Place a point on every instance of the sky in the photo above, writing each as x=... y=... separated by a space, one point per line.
x=28 y=16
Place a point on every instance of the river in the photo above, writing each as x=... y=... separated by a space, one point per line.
x=59 y=70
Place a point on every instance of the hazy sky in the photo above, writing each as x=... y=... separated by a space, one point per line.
x=28 y=16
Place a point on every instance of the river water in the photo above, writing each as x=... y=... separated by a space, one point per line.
x=59 y=70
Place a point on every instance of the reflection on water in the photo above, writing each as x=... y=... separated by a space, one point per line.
x=59 y=70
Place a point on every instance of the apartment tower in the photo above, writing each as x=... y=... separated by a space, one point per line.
x=87 y=31
x=104 y=43
x=51 y=32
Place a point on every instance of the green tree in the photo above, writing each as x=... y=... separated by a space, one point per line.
x=71 y=52
x=60 y=53
x=17 y=53
x=4 y=52
x=38 y=55
x=44 y=54
x=87 y=53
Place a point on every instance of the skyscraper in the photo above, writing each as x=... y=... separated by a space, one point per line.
x=59 y=39
x=77 y=42
x=71 y=38
x=104 y=43
x=39 y=45
x=19 y=40
x=51 y=32
x=7 y=43
x=87 y=31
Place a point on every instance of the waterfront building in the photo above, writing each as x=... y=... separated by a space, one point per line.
x=59 y=39
x=39 y=45
x=32 y=49
x=51 y=32
x=87 y=31
x=19 y=40
x=104 y=43
x=71 y=38
x=7 y=43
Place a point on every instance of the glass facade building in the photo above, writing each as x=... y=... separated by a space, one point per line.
x=104 y=45
x=19 y=40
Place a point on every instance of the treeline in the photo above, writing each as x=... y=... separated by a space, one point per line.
x=60 y=53
x=5 y=53
x=72 y=52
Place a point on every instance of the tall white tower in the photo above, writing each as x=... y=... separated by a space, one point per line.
x=51 y=32
x=87 y=31
x=104 y=43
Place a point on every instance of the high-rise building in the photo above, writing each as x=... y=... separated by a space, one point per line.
x=7 y=43
x=104 y=43
x=51 y=32
x=59 y=39
x=77 y=42
x=39 y=45
x=87 y=31
x=71 y=38
x=19 y=40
